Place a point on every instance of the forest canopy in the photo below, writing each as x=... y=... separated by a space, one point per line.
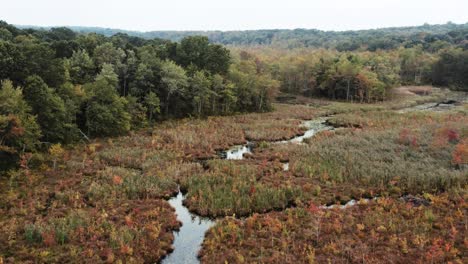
x=59 y=86
x=430 y=36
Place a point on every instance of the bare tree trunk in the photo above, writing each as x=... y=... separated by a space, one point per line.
x=347 y=92
x=167 y=103
x=213 y=106
x=261 y=102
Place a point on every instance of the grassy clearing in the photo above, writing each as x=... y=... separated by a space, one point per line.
x=116 y=183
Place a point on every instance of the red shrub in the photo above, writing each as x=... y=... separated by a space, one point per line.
x=48 y=238
x=460 y=154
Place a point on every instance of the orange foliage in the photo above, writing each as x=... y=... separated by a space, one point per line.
x=460 y=154
x=117 y=180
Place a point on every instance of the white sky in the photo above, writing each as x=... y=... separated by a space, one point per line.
x=147 y=15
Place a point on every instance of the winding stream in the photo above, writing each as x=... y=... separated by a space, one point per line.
x=189 y=238
x=313 y=127
x=350 y=203
x=453 y=102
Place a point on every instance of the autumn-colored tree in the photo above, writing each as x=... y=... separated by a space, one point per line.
x=19 y=130
x=56 y=152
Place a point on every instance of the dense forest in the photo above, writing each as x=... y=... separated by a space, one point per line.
x=429 y=36
x=61 y=86
x=360 y=76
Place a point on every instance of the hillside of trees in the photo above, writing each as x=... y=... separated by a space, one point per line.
x=429 y=36
x=58 y=86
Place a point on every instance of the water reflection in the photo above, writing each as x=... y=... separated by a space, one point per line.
x=188 y=240
x=237 y=152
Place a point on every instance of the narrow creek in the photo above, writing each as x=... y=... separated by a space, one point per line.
x=313 y=127
x=189 y=238
x=453 y=102
x=237 y=152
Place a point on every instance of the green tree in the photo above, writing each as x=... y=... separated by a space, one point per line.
x=108 y=54
x=451 y=69
x=174 y=80
x=38 y=58
x=5 y=34
x=346 y=71
x=228 y=98
x=147 y=78
x=198 y=52
x=106 y=111
x=108 y=75
x=244 y=88
x=137 y=112
x=217 y=87
x=152 y=103
x=81 y=67
x=415 y=65
x=52 y=115
x=200 y=88
x=127 y=70
x=267 y=88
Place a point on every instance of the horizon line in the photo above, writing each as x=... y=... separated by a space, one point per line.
x=229 y=30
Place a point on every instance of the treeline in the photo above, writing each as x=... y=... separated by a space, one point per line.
x=359 y=76
x=430 y=37
x=60 y=86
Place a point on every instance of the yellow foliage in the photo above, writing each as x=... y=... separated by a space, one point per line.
x=360 y=227
x=311 y=254
x=381 y=229
x=240 y=258
x=56 y=150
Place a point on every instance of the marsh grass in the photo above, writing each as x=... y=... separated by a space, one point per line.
x=134 y=231
x=382 y=231
x=407 y=154
x=235 y=189
x=122 y=183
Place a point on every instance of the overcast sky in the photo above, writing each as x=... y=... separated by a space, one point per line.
x=147 y=15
